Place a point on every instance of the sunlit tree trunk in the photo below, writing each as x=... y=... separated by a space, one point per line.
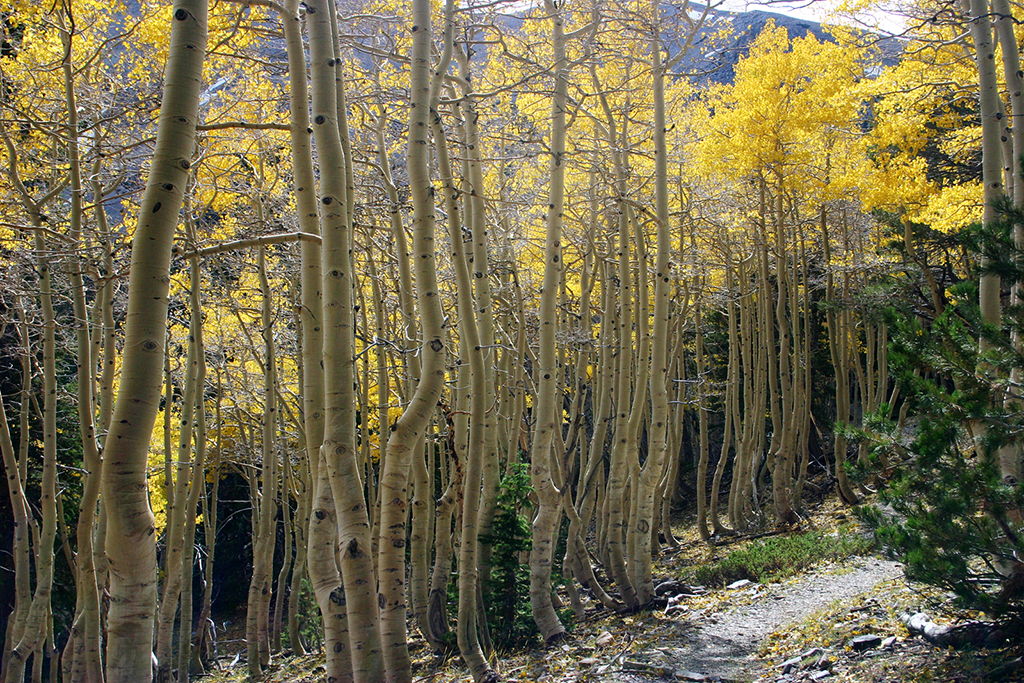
x=410 y=427
x=474 y=191
x=19 y=505
x=322 y=535
x=33 y=631
x=278 y=617
x=978 y=15
x=1011 y=456
x=339 y=447
x=652 y=470
x=840 y=365
x=197 y=484
x=131 y=547
x=84 y=641
x=641 y=511
x=547 y=403
x=472 y=356
x=256 y=623
x=177 y=511
x=202 y=651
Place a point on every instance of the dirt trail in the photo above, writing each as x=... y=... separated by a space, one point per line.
x=722 y=645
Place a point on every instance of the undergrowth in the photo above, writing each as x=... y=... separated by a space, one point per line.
x=508 y=604
x=780 y=557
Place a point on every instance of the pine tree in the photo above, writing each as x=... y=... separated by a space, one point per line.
x=947 y=511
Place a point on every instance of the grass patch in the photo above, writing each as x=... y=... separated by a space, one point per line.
x=779 y=557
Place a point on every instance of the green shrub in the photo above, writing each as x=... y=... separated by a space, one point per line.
x=508 y=608
x=776 y=558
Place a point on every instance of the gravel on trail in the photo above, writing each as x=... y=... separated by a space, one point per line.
x=722 y=645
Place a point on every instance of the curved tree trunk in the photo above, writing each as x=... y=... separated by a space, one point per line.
x=339 y=445
x=409 y=428
x=131 y=546
x=84 y=641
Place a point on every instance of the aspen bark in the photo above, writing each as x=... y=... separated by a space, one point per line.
x=474 y=190
x=984 y=57
x=197 y=484
x=837 y=349
x=1011 y=456
x=547 y=371
x=409 y=428
x=130 y=541
x=339 y=446
x=84 y=642
x=651 y=472
x=19 y=505
x=472 y=353
x=177 y=505
x=33 y=632
x=322 y=534
x=257 y=636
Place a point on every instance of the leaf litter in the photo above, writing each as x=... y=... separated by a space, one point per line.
x=799 y=628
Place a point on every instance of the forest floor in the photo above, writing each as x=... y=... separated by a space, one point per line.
x=800 y=628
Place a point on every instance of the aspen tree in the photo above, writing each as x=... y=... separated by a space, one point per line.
x=204 y=636
x=293 y=485
x=839 y=353
x=984 y=57
x=732 y=392
x=106 y=357
x=30 y=632
x=621 y=465
x=339 y=447
x=547 y=371
x=651 y=472
x=256 y=622
x=409 y=428
x=322 y=535
x=989 y=304
x=17 y=477
x=437 y=627
x=476 y=221
x=783 y=413
x=197 y=481
x=419 y=589
x=300 y=530
x=130 y=540
x=472 y=354
x=641 y=507
x=1011 y=456
x=19 y=508
x=178 y=504
x=84 y=642
x=25 y=614
x=278 y=618
x=576 y=562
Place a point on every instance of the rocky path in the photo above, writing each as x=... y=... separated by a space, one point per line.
x=722 y=645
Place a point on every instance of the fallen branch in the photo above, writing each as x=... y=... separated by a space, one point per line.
x=970 y=634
